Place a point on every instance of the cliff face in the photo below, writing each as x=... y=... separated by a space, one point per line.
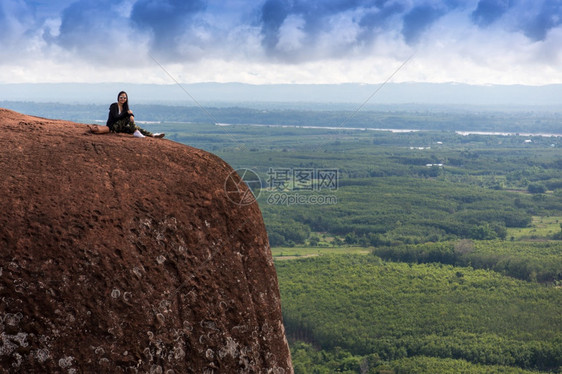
x=120 y=254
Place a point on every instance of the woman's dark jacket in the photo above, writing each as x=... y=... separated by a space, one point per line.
x=114 y=115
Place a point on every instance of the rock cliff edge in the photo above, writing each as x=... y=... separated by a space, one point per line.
x=127 y=255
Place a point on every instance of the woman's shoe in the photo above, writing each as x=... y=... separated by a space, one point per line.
x=158 y=135
x=137 y=134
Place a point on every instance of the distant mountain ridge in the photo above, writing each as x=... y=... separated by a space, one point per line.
x=354 y=93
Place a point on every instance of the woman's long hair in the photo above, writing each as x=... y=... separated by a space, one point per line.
x=126 y=103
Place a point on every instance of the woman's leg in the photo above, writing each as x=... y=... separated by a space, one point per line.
x=143 y=131
x=124 y=126
x=95 y=129
x=129 y=127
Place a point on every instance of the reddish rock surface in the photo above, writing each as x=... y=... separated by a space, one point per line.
x=120 y=254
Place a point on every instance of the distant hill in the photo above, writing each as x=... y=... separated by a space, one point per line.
x=351 y=93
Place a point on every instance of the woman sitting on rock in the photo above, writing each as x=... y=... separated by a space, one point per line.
x=121 y=119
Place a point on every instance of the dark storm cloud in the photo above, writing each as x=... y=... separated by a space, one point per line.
x=107 y=30
x=549 y=16
x=273 y=14
x=373 y=17
x=534 y=18
x=317 y=12
x=92 y=27
x=489 y=11
x=378 y=17
x=412 y=19
x=316 y=15
x=418 y=20
x=15 y=18
x=289 y=31
x=167 y=19
x=3 y=23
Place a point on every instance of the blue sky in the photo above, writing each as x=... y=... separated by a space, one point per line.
x=281 y=41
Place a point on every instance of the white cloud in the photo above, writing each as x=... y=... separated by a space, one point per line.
x=291 y=34
x=97 y=42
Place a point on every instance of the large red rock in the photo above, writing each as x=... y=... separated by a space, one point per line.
x=120 y=254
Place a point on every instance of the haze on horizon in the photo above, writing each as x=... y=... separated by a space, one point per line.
x=477 y=42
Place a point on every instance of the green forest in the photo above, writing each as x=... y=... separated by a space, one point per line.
x=458 y=273
x=426 y=251
x=391 y=192
x=383 y=312
x=461 y=267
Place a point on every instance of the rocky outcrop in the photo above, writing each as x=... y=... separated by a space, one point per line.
x=120 y=254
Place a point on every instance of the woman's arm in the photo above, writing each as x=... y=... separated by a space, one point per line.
x=114 y=115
